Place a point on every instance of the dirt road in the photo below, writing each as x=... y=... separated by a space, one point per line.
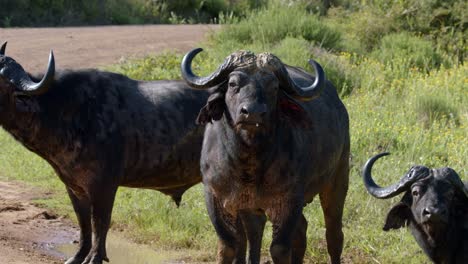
x=28 y=233
x=90 y=47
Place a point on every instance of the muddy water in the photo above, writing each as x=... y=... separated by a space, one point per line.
x=121 y=251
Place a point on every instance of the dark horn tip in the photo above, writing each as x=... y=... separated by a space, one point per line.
x=3 y=48
x=186 y=62
x=51 y=56
x=51 y=64
x=371 y=161
x=190 y=55
x=316 y=66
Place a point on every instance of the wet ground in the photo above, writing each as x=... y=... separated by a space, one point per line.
x=30 y=234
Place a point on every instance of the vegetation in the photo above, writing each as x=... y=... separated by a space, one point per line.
x=402 y=78
x=36 y=13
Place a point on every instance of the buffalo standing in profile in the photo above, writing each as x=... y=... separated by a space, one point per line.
x=434 y=207
x=100 y=130
x=276 y=137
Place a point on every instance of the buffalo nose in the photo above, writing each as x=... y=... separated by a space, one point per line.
x=244 y=110
x=433 y=213
x=257 y=110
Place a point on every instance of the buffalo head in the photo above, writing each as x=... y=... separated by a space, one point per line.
x=434 y=200
x=16 y=85
x=253 y=91
x=13 y=77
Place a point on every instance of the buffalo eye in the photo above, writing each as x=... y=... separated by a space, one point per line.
x=415 y=191
x=232 y=84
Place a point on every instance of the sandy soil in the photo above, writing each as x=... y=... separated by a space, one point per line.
x=90 y=47
x=28 y=233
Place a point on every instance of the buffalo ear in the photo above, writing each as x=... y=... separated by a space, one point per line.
x=398 y=217
x=292 y=111
x=213 y=110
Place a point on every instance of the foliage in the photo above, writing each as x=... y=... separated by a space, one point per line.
x=270 y=25
x=71 y=12
x=363 y=29
x=443 y=22
x=431 y=109
x=412 y=50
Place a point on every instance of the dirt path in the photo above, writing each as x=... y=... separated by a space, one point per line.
x=90 y=47
x=28 y=233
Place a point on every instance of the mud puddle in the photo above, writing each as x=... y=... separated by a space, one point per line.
x=33 y=235
x=122 y=251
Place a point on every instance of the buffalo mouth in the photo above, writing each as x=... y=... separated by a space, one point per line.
x=250 y=125
x=435 y=232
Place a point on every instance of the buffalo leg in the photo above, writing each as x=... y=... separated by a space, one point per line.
x=241 y=245
x=332 y=199
x=284 y=226
x=82 y=209
x=101 y=216
x=226 y=229
x=299 y=243
x=254 y=225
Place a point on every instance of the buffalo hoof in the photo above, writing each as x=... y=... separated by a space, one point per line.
x=74 y=260
x=94 y=259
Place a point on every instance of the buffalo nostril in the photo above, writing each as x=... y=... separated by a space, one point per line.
x=433 y=213
x=426 y=212
x=244 y=111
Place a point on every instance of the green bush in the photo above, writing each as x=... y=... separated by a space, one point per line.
x=432 y=109
x=270 y=25
x=411 y=50
x=364 y=23
x=72 y=12
x=363 y=29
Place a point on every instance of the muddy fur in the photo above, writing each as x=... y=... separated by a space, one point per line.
x=266 y=153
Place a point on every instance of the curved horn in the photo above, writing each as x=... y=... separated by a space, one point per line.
x=236 y=59
x=29 y=87
x=375 y=190
x=308 y=92
x=2 y=48
x=195 y=81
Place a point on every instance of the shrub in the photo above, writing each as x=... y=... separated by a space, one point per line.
x=434 y=109
x=272 y=24
x=412 y=50
x=339 y=69
x=71 y=12
x=362 y=29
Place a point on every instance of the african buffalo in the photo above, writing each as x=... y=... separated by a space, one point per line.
x=100 y=130
x=275 y=137
x=434 y=207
